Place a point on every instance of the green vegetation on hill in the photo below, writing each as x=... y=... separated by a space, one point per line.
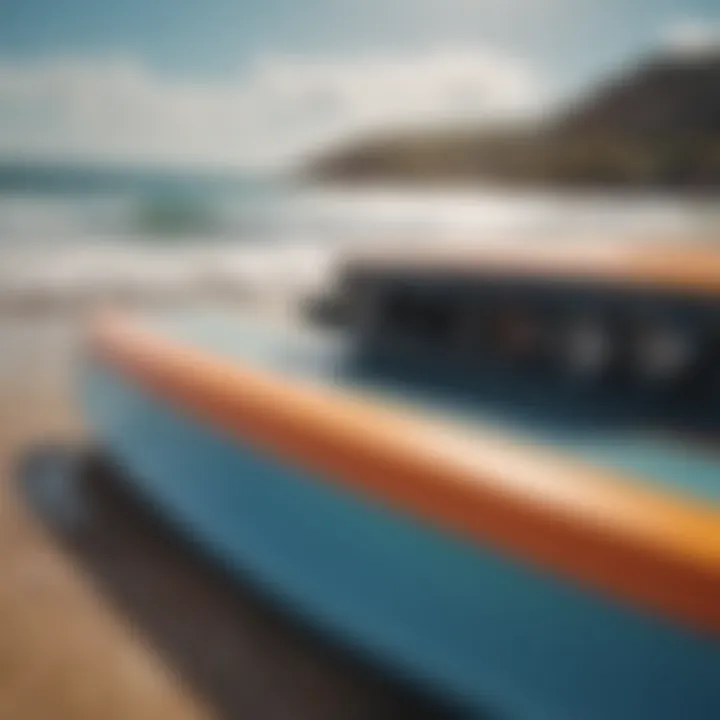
x=659 y=126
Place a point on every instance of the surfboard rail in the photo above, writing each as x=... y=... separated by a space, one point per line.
x=691 y=269
x=616 y=534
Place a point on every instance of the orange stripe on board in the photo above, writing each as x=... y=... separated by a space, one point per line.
x=656 y=551
x=690 y=269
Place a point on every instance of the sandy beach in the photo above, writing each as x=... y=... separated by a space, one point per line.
x=106 y=612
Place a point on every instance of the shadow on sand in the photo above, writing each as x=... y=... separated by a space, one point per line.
x=234 y=648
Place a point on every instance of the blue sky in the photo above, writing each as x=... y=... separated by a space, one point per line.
x=216 y=36
x=199 y=44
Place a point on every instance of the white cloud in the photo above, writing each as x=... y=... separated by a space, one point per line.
x=279 y=107
x=692 y=37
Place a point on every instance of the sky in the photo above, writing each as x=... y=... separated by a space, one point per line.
x=233 y=82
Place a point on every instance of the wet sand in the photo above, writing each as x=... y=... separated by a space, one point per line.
x=105 y=612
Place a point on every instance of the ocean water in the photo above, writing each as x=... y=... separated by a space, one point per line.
x=69 y=230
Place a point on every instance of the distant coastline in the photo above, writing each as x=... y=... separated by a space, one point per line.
x=657 y=127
